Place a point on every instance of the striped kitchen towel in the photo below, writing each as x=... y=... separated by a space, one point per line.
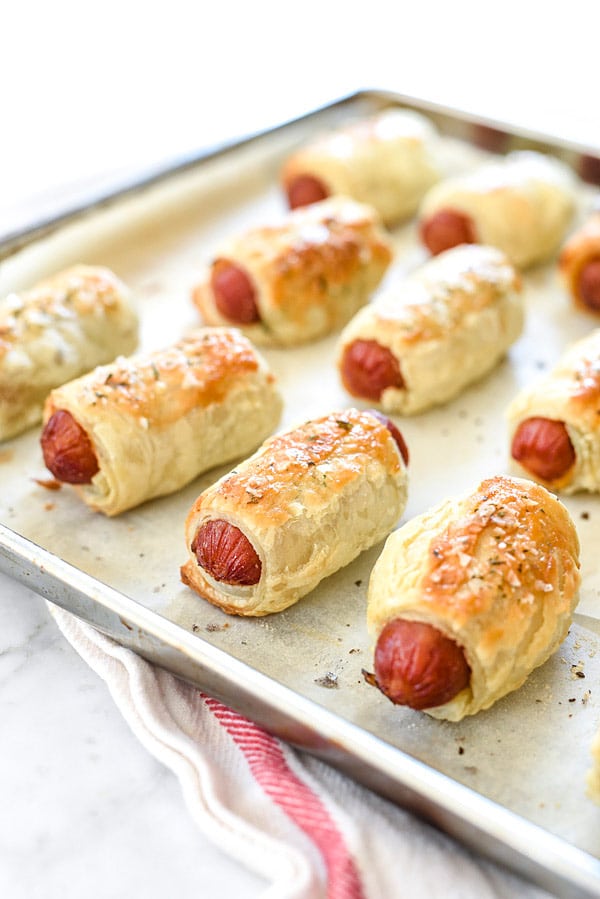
x=311 y=832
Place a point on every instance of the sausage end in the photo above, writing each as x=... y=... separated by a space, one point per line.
x=304 y=190
x=394 y=431
x=418 y=666
x=544 y=448
x=67 y=449
x=226 y=554
x=446 y=229
x=368 y=368
x=234 y=293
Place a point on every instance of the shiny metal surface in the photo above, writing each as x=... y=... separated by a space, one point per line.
x=478 y=822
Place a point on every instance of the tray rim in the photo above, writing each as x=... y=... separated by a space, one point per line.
x=120 y=187
x=470 y=817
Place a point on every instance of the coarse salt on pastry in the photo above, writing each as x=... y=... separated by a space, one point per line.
x=145 y=426
x=298 y=280
x=468 y=598
x=56 y=331
x=522 y=204
x=306 y=504
x=426 y=338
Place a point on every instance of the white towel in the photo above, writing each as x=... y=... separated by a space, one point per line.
x=311 y=832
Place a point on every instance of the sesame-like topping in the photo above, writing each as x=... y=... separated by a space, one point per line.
x=80 y=290
x=304 y=467
x=502 y=549
x=160 y=387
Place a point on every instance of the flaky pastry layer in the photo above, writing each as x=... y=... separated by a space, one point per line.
x=388 y=161
x=64 y=326
x=309 y=501
x=310 y=273
x=522 y=204
x=569 y=393
x=497 y=571
x=447 y=325
x=158 y=420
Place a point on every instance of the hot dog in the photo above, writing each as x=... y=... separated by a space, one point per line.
x=302 y=190
x=367 y=369
x=554 y=433
x=419 y=666
x=544 y=448
x=424 y=339
x=226 y=554
x=446 y=229
x=235 y=296
x=395 y=432
x=579 y=265
x=67 y=449
x=468 y=598
x=522 y=205
x=267 y=533
x=147 y=425
x=388 y=161
x=62 y=327
x=300 y=280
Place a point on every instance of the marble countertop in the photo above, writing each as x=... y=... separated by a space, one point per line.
x=86 y=809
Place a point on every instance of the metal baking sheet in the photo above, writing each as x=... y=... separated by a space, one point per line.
x=509 y=782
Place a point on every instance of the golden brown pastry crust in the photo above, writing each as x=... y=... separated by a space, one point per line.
x=582 y=247
x=495 y=570
x=296 y=500
x=310 y=274
x=64 y=326
x=522 y=204
x=447 y=325
x=387 y=160
x=158 y=420
x=569 y=393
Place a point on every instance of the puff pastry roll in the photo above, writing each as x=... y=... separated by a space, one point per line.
x=299 y=280
x=522 y=204
x=62 y=327
x=554 y=424
x=468 y=598
x=579 y=264
x=423 y=340
x=145 y=426
x=593 y=778
x=388 y=161
x=306 y=504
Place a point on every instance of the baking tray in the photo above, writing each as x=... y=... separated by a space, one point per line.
x=509 y=782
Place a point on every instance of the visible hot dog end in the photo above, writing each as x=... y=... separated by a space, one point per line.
x=304 y=190
x=234 y=293
x=588 y=285
x=67 y=449
x=418 y=666
x=544 y=448
x=445 y=229
x=394 y=431
x=225 y=553
x=368 y=368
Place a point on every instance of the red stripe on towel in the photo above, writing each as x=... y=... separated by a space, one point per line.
x=268 y=765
